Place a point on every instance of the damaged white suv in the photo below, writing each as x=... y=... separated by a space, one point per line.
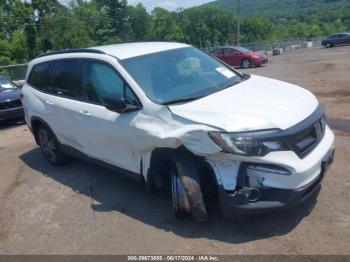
x=176 y=118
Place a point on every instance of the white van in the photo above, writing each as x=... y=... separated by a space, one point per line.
x=176 y=118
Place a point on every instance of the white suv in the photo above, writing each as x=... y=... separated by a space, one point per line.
x=174 y=117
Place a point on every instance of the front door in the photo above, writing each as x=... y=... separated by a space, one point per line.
x=108 y=136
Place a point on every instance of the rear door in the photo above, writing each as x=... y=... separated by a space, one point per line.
x=236 y=57
x=221 y=54
x=227 y=53
x=38 y=102
x=67 y=101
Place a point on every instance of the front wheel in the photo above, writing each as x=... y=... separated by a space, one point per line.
x=246 y=63
x=186 y=192
x=329 y=45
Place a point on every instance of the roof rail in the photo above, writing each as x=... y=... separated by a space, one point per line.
x=78 y=50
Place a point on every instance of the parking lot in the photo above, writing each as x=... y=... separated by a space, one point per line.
x=47 y=210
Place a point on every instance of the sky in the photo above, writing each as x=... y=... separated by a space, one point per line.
x=167 y=4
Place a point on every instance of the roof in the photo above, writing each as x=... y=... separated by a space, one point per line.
x=119 y=51
x=128 y=50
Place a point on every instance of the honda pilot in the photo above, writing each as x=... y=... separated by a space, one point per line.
x=175 y=118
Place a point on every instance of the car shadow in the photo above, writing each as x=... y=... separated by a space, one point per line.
x=112 y=192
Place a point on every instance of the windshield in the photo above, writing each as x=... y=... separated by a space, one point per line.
x=6 y=85
x=243 y=50
x=180 y=75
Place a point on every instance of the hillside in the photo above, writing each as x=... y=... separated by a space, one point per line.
x=280 y=8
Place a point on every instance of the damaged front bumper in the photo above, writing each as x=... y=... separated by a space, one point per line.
x=277 y=181
x=247 y=201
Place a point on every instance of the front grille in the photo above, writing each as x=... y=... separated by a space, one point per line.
x=304 y=141
x=10 y=104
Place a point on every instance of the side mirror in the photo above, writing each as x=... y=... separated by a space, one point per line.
x=118 y=104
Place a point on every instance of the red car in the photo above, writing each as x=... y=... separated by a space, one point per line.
x=239 y=56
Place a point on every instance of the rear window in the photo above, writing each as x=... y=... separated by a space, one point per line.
x=40 y=77
x=67 y=78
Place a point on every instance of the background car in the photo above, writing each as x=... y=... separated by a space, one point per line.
x=239 y=56
x=10 y=104
x=337 y=39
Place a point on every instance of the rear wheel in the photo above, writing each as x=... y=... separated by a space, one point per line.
x=50 y=147
x=246 y=63
x=185 y=188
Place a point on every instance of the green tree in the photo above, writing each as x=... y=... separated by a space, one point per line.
x=19 y=52
x=5 y=52
x=140 y=22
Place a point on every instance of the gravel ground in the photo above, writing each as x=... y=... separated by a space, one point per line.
x=46 y=210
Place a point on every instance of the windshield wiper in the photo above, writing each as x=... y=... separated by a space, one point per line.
x=182 y=100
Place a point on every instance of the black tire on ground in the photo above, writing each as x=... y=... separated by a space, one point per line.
x=246 y=63
x=185 y=169
x=50 y=147
x=329 y=45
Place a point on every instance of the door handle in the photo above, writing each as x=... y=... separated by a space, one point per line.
x=49 y=102
x=85 y=113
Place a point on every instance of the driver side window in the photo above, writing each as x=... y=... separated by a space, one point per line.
x=101 y=79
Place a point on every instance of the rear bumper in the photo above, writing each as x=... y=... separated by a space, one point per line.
x=12 y=113
x=271 y=199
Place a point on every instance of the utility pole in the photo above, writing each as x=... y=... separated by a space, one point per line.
x=238 y=21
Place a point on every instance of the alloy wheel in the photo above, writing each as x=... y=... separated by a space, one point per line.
x=48 y=145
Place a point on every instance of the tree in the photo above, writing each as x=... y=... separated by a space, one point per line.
x=19 y=52
x=140 y=22
x=5 y=52
x=116 y=10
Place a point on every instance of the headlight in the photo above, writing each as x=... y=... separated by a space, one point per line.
x=257 y=143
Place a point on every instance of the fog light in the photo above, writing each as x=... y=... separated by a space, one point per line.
x=256 y=174
x=254 y=195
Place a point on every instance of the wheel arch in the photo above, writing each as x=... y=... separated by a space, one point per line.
x=35 y=123
x=158 y=176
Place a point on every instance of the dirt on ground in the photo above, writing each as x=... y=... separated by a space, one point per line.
x=47 y=210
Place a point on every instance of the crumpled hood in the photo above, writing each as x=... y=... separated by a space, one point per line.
x=257 y=103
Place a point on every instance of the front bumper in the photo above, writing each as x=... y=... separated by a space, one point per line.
x=270 y=199
x=12 y=113
x=260 y=61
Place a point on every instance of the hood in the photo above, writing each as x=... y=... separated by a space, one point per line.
x=257 y=103
x=11 y=94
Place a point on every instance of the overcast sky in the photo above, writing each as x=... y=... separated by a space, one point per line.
x=168 y=4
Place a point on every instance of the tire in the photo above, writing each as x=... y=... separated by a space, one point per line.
x=185 y=188
x=246 y=63
x=329 y=45
x=50 y=147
